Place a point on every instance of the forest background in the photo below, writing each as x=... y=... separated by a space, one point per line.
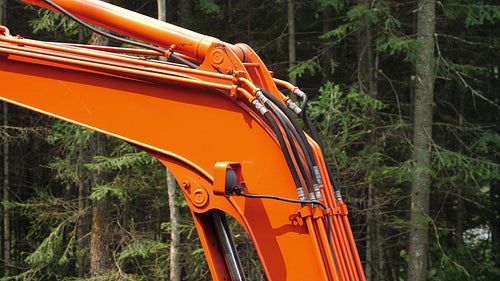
x=81 y=206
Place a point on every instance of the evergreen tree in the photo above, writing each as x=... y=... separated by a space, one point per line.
x=422 y=141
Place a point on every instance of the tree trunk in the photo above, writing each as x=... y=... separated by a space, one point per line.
x=6 y=195
x=162 y=10
x=495 y=219
x=83 y=223
x=370 y=235
x=422 y=141
x=6 y=221
x=99 y=238
x=99 y=235
x=175 y=270
x=459 y=229
x=292 y=57
x=367 y=79
x=382 y=276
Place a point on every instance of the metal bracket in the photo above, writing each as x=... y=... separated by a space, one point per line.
x=227 y=175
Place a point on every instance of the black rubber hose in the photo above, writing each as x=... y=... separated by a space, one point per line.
x=315 y=135
x=286 y=153
x=282 y=122
x=298 y=133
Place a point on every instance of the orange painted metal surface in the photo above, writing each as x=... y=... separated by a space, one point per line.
x=200 y=123
x=136 y=25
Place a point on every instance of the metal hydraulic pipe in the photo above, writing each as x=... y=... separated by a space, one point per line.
x=230 y=254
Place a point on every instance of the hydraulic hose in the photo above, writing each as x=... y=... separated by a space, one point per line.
x=300 y=136
x=238 y=190
x=315 y=135
x=293 y=147
x=283 y=146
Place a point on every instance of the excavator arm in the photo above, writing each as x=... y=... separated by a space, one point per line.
x=217 y=121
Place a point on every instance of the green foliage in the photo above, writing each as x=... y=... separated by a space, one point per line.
x=310 y=66
x=46 y=212
x=52 y=248
x=209 y=7
x=337 y=33
x=395 y=45
x=49 y=21
x=472 y=13
x=102 y=191
x=120 y=162
x=338 y=5
x=474 y=261
x=465 y=169
x=356 y=12
x=144 y=248
x=342 y=120
x=8 y=205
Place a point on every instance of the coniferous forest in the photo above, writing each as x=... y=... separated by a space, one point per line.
x=405 y=95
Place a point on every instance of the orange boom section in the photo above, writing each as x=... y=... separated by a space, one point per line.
x=216 y=120
x=135 y=25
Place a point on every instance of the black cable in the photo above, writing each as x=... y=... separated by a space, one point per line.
x=282 y=199
x=183 y=60
x=239 y=191
x=315 y=135
x=102 y=33
x=160 y=50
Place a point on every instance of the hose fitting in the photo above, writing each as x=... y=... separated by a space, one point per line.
x=259 y=106
x=293 y=106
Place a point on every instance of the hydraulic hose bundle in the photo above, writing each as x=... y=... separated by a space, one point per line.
x=341 y=250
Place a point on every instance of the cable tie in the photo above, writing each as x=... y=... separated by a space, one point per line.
x=170 y=50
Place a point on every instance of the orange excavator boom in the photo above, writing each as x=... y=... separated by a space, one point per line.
x=217 y=121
